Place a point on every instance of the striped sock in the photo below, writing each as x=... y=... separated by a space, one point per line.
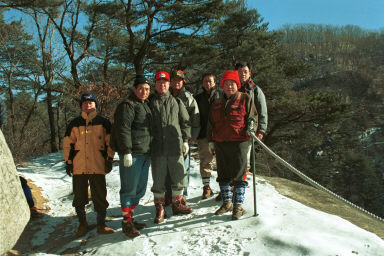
x=226 y=191
x=239 y=194
x=127 y=213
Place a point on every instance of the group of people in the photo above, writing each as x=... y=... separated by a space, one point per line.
x=157 y=130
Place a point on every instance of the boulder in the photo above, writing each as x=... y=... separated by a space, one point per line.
x=14 y=210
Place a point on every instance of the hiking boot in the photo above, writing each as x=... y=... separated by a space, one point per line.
x=160 y=213
x=103 y=229
x=82 y=229
x=139 y=225
x=218 y=197
x=238 y=211
x=178 y=207
x=207 y=192
x=226 y=207
x=129 y=229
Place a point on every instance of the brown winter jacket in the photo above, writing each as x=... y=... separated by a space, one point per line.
x=86 y=144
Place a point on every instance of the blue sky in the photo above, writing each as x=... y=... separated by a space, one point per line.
x=367 y=14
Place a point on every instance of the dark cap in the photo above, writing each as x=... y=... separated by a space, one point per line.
x=178 y=73
x=88 y=96
x=140 y=79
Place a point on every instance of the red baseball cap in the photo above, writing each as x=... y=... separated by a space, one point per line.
x=162 y=75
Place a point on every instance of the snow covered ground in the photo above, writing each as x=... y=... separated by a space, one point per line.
x=283 y=227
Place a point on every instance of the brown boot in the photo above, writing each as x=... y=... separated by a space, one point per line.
x=139 y=225
x=160 y=211
x=207 y=192
x=226 y=207
x=178 y=207
x=129 y=229
x=82 y=229
x=238 y=211
x=103 y=229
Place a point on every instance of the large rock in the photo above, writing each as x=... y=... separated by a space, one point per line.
x=14 y=210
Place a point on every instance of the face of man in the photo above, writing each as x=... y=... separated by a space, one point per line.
x=142 y=91
x=229 y=87
x=162 y=86
x=88 y=106
x=208 y=83
x=177 y=83
x=244 y=74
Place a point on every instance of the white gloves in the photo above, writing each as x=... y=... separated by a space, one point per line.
x=127 y=160
x=185 y=148
x=211 y=147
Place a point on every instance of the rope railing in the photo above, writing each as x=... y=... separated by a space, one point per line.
x=312 y=182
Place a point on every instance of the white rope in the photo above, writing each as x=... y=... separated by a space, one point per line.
x=312 y=182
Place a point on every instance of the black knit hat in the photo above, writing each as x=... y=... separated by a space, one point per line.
x=140 y=79
x=88 y=96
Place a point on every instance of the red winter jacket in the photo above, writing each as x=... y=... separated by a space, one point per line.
x=229 y=118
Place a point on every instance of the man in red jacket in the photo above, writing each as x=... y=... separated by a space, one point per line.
x=227 y=128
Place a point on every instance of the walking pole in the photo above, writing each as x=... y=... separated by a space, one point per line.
x=251 y=132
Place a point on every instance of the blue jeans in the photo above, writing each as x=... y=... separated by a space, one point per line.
x=168 y=193
x=133 y=179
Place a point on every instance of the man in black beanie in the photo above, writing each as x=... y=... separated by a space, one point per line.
x=131 y=137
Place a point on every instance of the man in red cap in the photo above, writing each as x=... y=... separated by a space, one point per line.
x=171 y=132
x=178 y=90
x=227 y=133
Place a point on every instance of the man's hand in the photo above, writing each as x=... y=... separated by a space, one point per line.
x=185 y=148
x=69 y=169
x=127 y=160
x=211 y=147
x=108 y=165
x=260 y=135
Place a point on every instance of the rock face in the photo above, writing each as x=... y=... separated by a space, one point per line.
x=14 y=210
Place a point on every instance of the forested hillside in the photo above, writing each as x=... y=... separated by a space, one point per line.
x=324 y=85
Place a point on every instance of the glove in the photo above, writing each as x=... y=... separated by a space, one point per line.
x=211 y=147
x=127 y=160
x=108 y=165
x=69 y=169
x=185 y=148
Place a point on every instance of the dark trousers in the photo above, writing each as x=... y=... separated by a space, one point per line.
x=231 y=161
x=98 y=190
x=27 y=192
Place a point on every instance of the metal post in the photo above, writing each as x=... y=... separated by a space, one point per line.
x=251 y=133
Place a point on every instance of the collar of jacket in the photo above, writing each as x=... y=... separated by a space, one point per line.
x=162 y=95
x=90 y=116
x=230 y=97
x=132 y=97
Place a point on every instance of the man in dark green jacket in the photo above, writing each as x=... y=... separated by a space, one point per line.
x=131 y=137
x=171 y=132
